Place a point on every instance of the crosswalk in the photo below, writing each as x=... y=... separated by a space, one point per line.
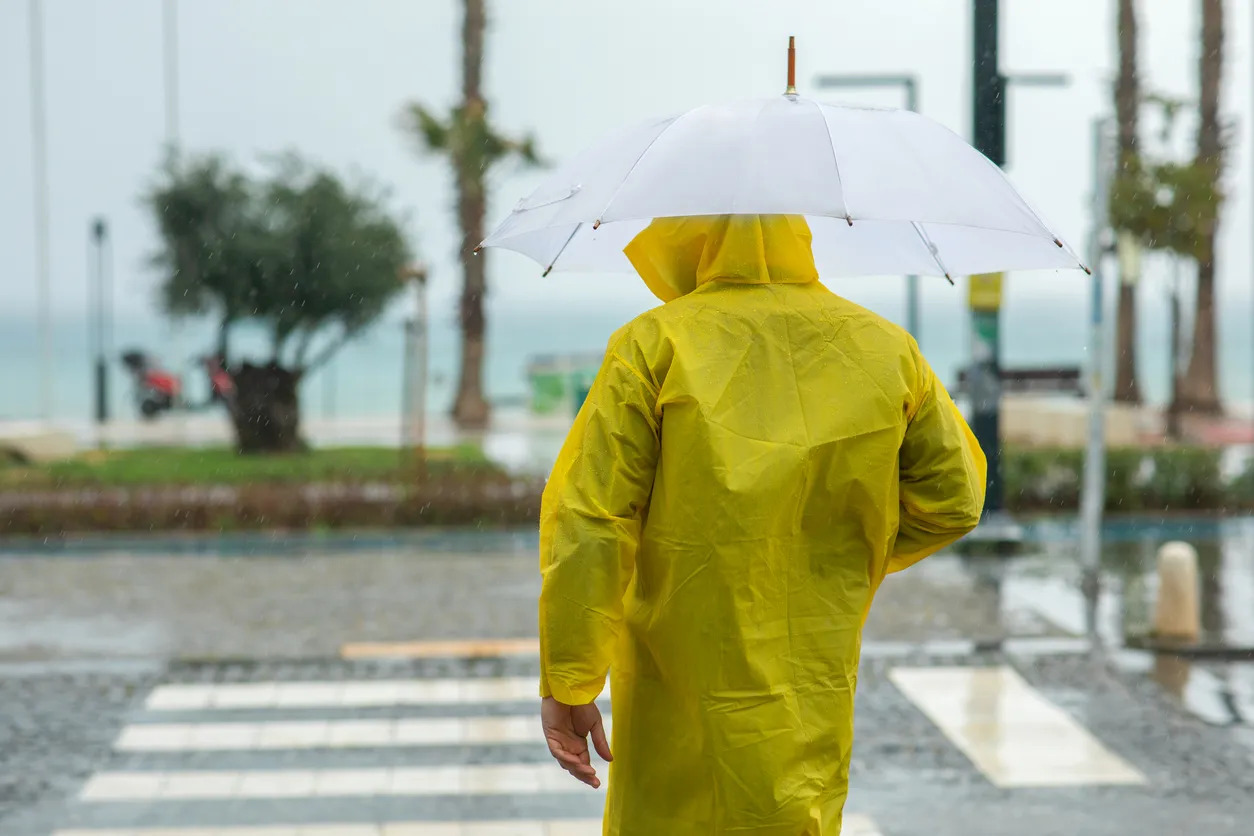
x=439 y=756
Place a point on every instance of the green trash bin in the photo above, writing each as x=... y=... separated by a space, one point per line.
x=548 y=390
x=561 y=382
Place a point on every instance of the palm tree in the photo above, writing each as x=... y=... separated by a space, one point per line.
x=1199 y=391
x=472 y=148
x=1127 y=110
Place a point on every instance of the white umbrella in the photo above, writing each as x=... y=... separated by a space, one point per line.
x=884 y=191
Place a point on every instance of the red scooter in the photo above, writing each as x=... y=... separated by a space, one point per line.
x=158 y=390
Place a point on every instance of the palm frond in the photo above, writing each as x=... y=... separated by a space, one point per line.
x=529 y=153
x=432 y=134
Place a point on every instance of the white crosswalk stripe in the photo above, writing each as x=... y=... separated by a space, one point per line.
x=518 y=827
x=507 y=779
x=319 y=734
x=350 y=694
x=1015 y=736
x=853 y=826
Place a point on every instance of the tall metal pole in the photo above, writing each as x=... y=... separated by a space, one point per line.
x=414 y=389
x=170 y=21
x=1177 y=354
x=39 y=171
x=420 y=389
x=102 y=303
x=989 y=135
x=913 y=312
x=1093 y=497
x=170 y=82
x=91 y=316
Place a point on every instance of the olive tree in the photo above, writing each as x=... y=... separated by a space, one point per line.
x=310 y=259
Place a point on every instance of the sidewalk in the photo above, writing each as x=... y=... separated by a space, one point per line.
x=519 y=441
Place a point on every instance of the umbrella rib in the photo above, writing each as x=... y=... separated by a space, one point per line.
x=831 y=143
x=569 y=238
x=932 y=249
x=597 y=223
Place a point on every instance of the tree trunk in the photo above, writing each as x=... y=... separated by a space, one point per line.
x=471 y=409
x=1127 y=107
x=1200 y=391
x=265 y=409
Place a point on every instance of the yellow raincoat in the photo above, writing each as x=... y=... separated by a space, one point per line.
x=754 y=456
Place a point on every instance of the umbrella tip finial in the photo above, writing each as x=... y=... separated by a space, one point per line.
x=791 y=90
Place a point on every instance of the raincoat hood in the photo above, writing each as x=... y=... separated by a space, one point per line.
x=675 y=256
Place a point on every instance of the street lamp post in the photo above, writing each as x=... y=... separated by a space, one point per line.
x=100 y=321
x=39 y=170
x=910 y=84
x=170 y=85
x=989 y=136
x=170 y=50
x=1093 y=496
x=415 y=384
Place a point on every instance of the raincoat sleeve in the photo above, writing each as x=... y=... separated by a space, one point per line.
x=942 y=472
x=590 y=525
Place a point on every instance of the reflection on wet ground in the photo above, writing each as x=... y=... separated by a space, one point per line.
x=1220 y=690
x=285 y=596
x=1225 y=550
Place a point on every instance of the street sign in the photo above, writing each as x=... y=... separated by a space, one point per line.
x=984 y=292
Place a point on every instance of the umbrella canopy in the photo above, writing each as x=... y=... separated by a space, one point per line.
x=884 y=191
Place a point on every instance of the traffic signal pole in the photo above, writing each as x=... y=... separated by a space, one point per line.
x=989 y=137
x=988 y=134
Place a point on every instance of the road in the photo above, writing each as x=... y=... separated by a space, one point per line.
x=185 y=691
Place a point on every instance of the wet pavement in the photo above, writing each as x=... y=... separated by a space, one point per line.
x=93 y=736
x=251 y=601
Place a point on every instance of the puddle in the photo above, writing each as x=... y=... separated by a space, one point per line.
x=1047 y=577
x=1220 y=693
x=28 y=635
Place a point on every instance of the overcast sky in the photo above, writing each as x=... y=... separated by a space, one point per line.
x=328 y=77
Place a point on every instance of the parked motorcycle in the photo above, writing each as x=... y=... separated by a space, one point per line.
x=158 y=390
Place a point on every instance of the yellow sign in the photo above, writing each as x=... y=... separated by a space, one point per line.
x=984 y=292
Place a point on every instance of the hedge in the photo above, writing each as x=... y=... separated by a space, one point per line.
x=1036 y=480
x=463 y=500
x=1137 y=480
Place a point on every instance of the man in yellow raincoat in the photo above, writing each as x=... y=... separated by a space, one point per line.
x=754 y=457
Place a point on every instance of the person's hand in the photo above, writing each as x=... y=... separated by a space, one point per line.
x=566 y=730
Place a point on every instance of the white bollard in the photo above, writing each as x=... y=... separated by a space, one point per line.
x=1177 y=612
